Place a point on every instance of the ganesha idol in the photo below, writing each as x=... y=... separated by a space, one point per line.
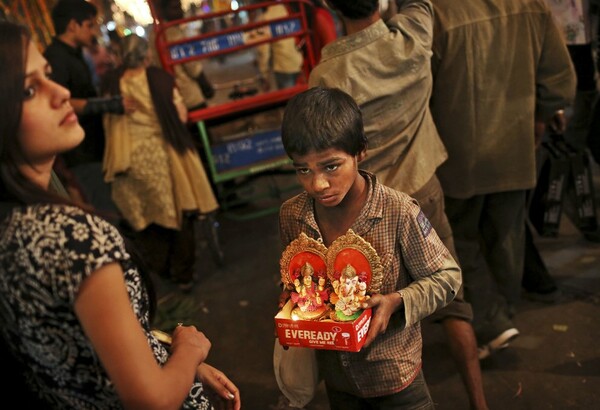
x=350 y=292
x=330 y=283
x=355 y=272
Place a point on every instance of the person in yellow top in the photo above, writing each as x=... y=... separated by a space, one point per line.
x=157 y=180
x=282 y=58
x=187 y=75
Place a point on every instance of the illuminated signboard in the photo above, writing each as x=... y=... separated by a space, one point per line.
x=234 y=39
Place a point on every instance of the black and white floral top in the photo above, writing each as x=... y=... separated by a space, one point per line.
x=46 y=252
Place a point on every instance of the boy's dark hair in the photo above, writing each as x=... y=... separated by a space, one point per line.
x=321 y=118
x=355 y=9
x=67 y=10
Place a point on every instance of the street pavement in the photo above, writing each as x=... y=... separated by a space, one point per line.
x=553 y=364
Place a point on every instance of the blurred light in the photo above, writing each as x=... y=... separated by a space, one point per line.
x=234 y=5
x=126 y=31
x=139 y=30
x=138 y=9
x=111 y=25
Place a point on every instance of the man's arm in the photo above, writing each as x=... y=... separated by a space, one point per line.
x=555 y=76
x=416 y=8
x=415 y=16
x=82 y=106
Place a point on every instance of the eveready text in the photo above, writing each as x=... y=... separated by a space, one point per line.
x=309 y=334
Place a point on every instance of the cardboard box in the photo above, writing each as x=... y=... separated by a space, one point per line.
x=322 y=334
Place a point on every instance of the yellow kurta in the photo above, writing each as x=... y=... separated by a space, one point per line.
x=151 y=182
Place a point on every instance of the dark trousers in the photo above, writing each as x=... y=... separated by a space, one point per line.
x=168 y=252
x=536 y=277
x=414 y=397
x=489 y=235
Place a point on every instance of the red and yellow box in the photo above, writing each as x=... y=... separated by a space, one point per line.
x=323 y=334
x=327 y=288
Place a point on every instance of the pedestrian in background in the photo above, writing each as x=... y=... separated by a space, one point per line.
x=280 y=59
x=81 y=168
x=189 y=75
x=500 y=69
x=157 y=179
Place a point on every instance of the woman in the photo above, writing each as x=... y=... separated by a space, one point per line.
x=75 y=310
x=158 y=182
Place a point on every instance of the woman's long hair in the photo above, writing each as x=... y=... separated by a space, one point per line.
x=15 y=188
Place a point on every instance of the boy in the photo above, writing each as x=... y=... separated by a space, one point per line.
x=323 y=134
x=385 y=67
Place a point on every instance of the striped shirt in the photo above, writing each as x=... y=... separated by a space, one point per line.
x=414 y=261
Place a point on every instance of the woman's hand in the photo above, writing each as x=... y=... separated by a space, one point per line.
x=188 y=337
x=227 y=394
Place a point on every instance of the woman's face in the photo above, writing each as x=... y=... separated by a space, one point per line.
x=49 y=125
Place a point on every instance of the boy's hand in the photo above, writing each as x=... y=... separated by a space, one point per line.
x=283 y=298
x=383 y=308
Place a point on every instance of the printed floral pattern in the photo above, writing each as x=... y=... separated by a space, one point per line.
x=46 y=251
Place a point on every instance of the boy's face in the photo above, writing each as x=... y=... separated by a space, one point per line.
x=327 y=176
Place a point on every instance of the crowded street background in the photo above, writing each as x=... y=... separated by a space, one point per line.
x=504 y=162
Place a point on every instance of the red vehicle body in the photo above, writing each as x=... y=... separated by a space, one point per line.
x=240 y=128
